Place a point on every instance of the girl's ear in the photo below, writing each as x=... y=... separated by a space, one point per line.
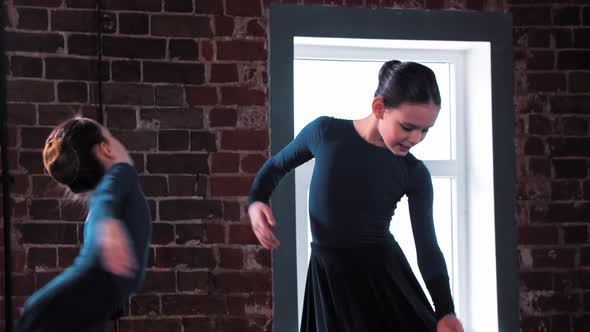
x=378 y=107
x=103 y=151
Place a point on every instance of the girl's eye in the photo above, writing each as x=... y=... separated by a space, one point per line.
x=425 y=131
x=405 y=128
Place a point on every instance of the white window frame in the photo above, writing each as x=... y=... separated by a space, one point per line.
x=457 y=53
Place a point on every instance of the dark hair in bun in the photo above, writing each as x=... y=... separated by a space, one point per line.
x=69 y=157
x=407 y=82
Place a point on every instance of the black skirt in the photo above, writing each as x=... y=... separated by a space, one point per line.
x=364 y=289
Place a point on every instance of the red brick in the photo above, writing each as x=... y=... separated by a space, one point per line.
x=74 y=69
x=241 y=324
x=162 y=233
x=184 y=256
x=74 y=20
x=30 y=91
x=33 y=42
x=168 y=95
x=244 y=139
x=82 y=45
x=207 y=50
x=41 y=257
x=243 y=281
x=200 y=324
x=177 y=118
x=178 y=163
x=23 y=285
x=47 y=209
x=182 y=185
x=35 y=233
x=574 y=126
x=230 y=186
x=134 y=23
x=159 y=281
x=178 y=6
x=558 y=302
x=575 y=234
x=183 y=49
x=21 y=114
x=141 y=140
x=246 y=50
x=203 y=141
x=34 y=137
x=537 y=235
x=201 y=95
x=186 y=304
x=67 y=255
x=570 y=104
x=38 y=3
x=587 y=190
x=20 y=184
x=142 y=305
x=224 y=73
x=80 y=4
x=143 y=5
x=541 y=60
x=547 y=82
x=181 y=26
x=121 y=118
x=73 y=211
x=553 y=258
x=209 y=7
x=54 y=114
x=566 y=190
x=570 y=168
x=263 y=257
x=579 y=82
x=173 y=72
x=563 y=37
x=141 y=48
x=534 y=15
x=150 y=324
x=539 y=167
x=225 y=162
x=566 y=15
x=31 y=161
x=224 y=26
x=32 y=19
x=154 y=185
x=534 y=146
x=173 y=140
x=231 y=258
x=244 y=8
x=242 y=234
x=223 y=117
x=186 y=233
x=252 y=163
x=574 y=60
x=72 y=92
x=214 y=233
x=193 y=281
x=126 y=71
x=256 y=28
x=568 y=212
x=242 y=96
x=128 y=94
x=185 y=209
x=561 y=322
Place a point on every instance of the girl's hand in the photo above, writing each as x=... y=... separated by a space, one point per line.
x=115 y=248
x=262 y=220
x=449 y=323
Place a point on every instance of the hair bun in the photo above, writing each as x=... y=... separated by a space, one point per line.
x=387 y=66
x=61 y=161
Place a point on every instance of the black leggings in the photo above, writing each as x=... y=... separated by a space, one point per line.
x=76 y=300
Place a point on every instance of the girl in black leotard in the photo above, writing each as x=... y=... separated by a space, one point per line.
x=358 y=278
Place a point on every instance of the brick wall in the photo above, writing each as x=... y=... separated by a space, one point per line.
x=552 y=98
x=186 y=91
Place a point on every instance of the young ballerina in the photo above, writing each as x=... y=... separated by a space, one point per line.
x=82 y=155
x=358 y=277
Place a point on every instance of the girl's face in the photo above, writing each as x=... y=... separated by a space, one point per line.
x=406 y=125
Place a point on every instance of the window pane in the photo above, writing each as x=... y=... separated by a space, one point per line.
x=443 y=212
